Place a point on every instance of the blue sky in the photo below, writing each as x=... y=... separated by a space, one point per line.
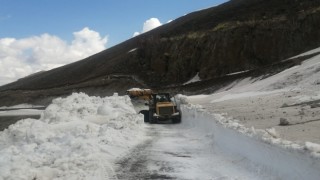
x=38 y=35
x=118 y=19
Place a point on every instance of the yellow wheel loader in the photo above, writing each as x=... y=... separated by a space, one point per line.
x=163 y=108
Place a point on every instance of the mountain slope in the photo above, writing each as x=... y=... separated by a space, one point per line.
x=235 y=36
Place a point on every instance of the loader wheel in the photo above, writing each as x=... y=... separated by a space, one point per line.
x=151 y=119
x=145 y=114
x=177 y=120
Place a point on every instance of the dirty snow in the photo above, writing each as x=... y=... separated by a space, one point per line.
x=76 y=137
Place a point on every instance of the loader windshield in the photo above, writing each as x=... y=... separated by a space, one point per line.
x=162 y=98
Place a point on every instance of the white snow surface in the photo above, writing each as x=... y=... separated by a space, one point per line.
x=21 y=112
x=241 y=95
x=308 y=52
x=20 y=109
x=259 y=150
x=304 y=77
x=19 y=106
x=306 y=98
x=132 y=50
x=235 y=73
x=76 y=137
x=196 y=78
x=263 y=147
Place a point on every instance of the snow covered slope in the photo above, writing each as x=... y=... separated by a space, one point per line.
x=293 y=94
x=77 y=137
x=244 y=120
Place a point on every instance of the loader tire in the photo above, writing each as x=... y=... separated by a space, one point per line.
x=151 y=119
x=178 y=119
x=145 y=114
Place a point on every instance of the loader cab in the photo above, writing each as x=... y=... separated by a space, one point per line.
x=162 y=97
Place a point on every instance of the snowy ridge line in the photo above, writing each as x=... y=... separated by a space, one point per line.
x=282 y=158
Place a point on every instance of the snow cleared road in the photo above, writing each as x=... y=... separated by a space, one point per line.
x=82 y=137
x=174 y=152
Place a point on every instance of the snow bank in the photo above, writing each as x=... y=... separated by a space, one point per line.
x=282 y=158
x=180 y=100
x=77 y=137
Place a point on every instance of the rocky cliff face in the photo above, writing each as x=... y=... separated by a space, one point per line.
x=230 y=38
x=236 y=36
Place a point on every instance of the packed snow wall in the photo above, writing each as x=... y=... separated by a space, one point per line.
x=282 y=158
x=77 y=137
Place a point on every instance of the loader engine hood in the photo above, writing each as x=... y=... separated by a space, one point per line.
x=165 y=104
